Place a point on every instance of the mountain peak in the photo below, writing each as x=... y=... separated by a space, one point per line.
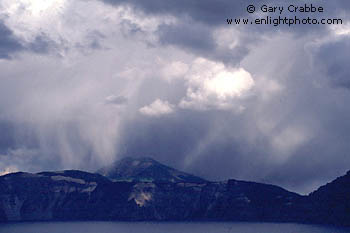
x=145 y=169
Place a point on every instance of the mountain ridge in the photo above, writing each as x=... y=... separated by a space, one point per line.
x=73 y=195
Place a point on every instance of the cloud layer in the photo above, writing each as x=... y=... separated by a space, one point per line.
x=83 y=83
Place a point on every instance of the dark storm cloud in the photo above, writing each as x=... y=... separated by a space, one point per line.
x=209 y=144
x=41 y=44
x=303 y=140
x=197 y=20
x=216 y=144
x=334 y=59
x=19 y=148
x=325 y=156
x=16 y=135
x=7 y=136
x=206 y=11
x=167 y=139
x=176 y=141
x=8 y=43
x=196 y=38
x=220 y=145
x=215 y=13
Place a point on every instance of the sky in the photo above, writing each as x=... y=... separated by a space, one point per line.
x=86 y=82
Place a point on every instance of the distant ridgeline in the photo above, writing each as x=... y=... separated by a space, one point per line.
x=144 y=189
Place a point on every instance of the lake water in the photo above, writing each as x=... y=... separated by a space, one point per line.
x=117 y=227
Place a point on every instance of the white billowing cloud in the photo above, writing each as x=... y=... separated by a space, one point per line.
x=39 y=8
x=211 y=85
x=30 y=18
x=157 y=108
x=227 y=85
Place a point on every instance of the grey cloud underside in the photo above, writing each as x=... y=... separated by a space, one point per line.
x=16 y=135
x=206 y=11
x=8 y=43
x=197 y=19
x=42 y=45
x=7 y=137
x=333 y=58
x=215 y=13
x=198 y=39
